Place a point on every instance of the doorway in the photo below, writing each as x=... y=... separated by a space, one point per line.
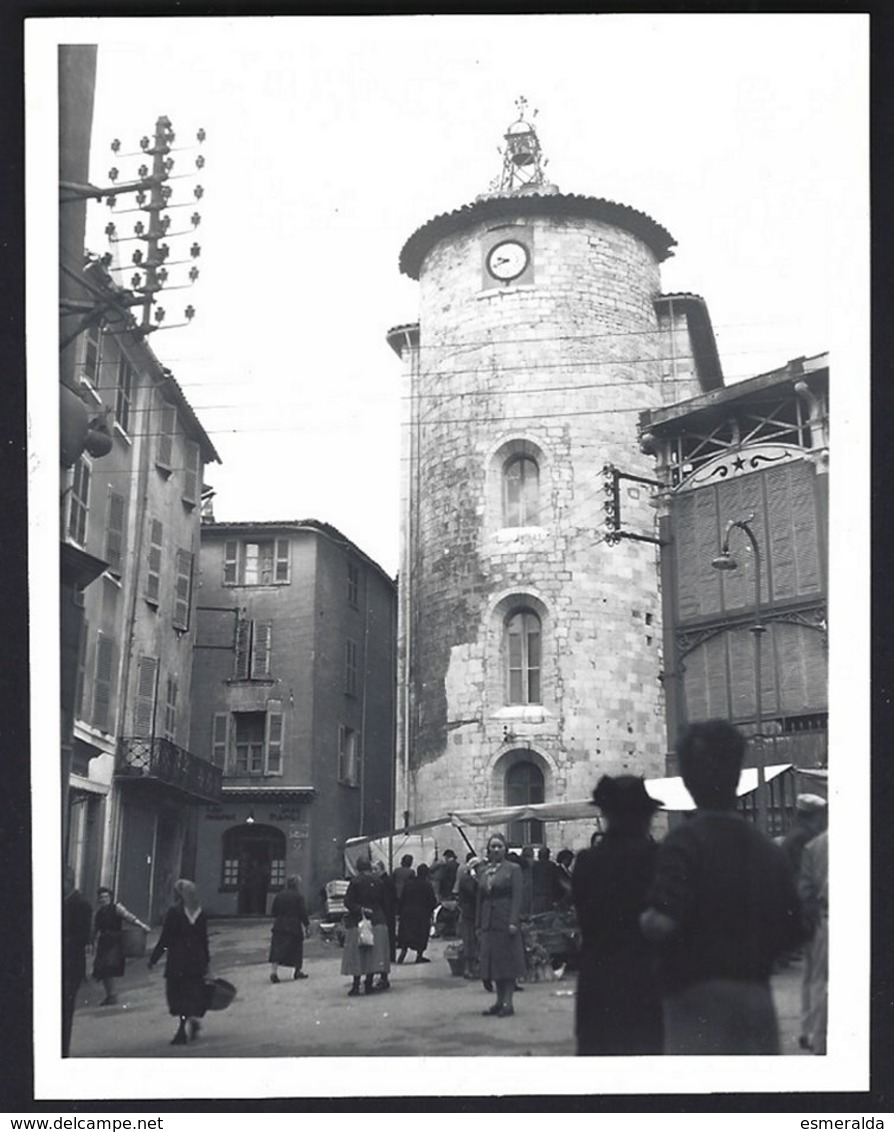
x=254 y=863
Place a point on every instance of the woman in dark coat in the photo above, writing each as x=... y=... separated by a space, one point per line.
x=290 y=921
x=417 y=902
x=618 y=1006
x=365 y=897
x=108 y=942
x=502 y=951
x=184 y=935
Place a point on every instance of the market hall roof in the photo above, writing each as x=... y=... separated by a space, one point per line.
x=494 y=206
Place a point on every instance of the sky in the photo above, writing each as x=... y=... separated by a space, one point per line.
x=331 y=139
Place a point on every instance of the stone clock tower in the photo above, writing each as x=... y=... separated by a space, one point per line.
x=530 y=636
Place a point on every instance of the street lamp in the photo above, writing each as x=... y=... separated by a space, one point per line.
x=725 y=561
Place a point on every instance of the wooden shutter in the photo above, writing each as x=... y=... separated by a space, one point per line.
x=794 y=565
x=153 y=573
x=274 y=736
x=115 y=531
x=220 y=738
x=231 y=563
x=262 y=639
x=102 y=682
x=82 y=672
x=171 y=709
x=243 y=646
x=282 y=560
x=192 y=475
x=183 y=589
x=144 y=704
x=164 y=453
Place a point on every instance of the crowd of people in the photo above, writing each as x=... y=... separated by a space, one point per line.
x=678 y=937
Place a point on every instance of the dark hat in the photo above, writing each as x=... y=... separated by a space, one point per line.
x=624 y=794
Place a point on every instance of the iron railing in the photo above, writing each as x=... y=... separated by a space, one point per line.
x=162 y=761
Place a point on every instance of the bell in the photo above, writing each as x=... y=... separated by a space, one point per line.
x=522 y=157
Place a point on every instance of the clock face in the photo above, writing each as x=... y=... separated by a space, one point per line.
x=507 y=260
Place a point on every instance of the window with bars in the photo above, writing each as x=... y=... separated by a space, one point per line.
x=254 y=643
x=124 y=393
x=115 y=527
x=183 y=589
x=252 y=563
x=154 y=560
x=347 y=755
x=521 y=492
x=350 y=667
x=522 y=657
x=79 y=502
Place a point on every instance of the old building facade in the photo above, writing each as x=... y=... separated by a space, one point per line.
x=530 y=644
x=133 y=780
x=758 y=453
x=294 y=695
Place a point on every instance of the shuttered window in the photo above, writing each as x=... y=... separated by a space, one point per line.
x=192 y=474
x=79 y=501
x=183 y=589
x=144 y=703
x=254 y=641
x=170 y=728
x=115 y=532
x=274 y=736
x=231 y=562
x=153 y=572
x=124 y=393
x=220 y=732
x=282 y=561
x=347 y=755
x=164 y=452
x=102 y=681
x=92 y=354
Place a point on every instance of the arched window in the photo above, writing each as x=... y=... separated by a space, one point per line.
x=521 y=492
x=524 y=787
x=522 y=657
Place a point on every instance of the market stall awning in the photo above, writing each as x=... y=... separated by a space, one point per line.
x=670 y=791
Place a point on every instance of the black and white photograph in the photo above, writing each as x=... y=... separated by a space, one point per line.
x=462 y=651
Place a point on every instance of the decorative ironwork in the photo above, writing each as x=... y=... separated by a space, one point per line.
x=523 y=160
x=810 y=616
x=162 y=761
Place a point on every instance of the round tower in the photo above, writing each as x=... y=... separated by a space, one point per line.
x=529 y=632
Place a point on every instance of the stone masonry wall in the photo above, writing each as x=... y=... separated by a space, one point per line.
x=560 y=369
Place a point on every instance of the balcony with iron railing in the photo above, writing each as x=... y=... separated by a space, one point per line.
x=161 y=762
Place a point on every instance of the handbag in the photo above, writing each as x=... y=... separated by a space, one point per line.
x=218 y=994
x=365 y=935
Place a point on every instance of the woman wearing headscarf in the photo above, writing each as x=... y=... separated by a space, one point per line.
x=108 y=942
x=290 y=921
x=502 y=951
x=618 y=1005
x=365 y=899
x=184 y=935
x=417 y=902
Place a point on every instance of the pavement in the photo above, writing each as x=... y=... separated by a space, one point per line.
x=428 y=1011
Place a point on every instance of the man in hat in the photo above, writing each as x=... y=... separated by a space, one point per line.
x=617 y=1005
x=810 y=819
x=722 y=908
